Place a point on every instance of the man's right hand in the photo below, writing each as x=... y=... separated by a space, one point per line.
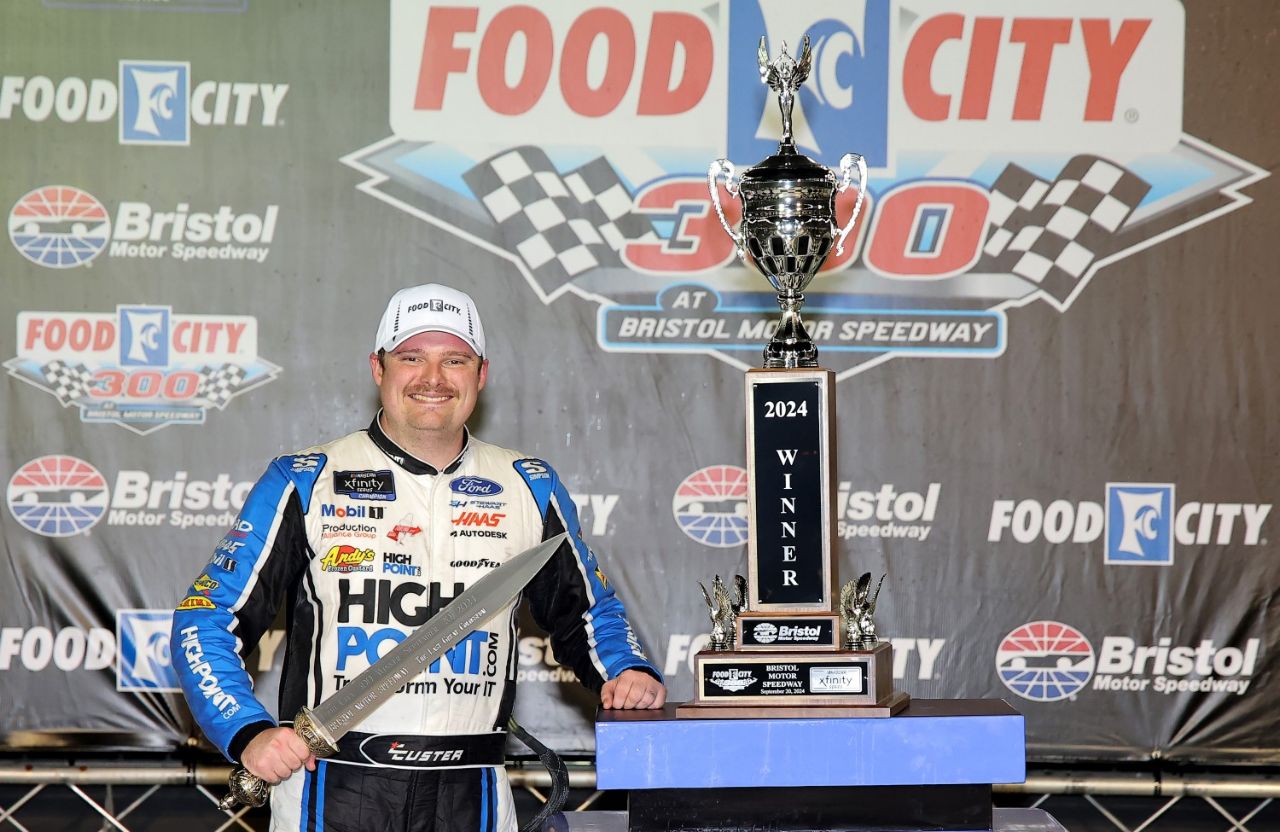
x=275 y=754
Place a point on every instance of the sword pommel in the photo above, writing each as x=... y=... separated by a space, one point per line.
x=251 y=790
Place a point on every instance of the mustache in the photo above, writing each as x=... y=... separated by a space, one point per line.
x=431 y=390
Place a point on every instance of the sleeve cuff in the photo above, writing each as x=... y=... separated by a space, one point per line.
x=244 y=736
x=643 y=668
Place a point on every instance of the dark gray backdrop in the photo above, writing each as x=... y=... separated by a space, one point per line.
x=1157 y=371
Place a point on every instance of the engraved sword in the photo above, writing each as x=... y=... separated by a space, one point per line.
x=322 y=726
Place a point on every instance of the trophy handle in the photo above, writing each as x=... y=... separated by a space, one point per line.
x=718 y=168
x=847 y=164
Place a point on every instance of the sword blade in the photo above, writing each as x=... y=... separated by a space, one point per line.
x=342 y=711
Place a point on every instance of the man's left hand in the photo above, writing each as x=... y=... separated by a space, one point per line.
x=633 y=689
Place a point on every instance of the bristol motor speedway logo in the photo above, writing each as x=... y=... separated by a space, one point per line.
x=710 y=506
x=1048 y=661
x=61 y=496
x=1016 y=151
x=156 y=101
x=61 y=227
x=1140 y=523
x=141 y=367
x=57 y=496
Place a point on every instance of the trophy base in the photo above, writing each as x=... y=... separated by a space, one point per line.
x=895 y=704
x=731 y=683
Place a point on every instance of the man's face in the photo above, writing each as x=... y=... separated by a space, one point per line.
x=429 y=386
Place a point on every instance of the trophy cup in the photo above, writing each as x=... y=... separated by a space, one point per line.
x=788 y=213
x=794 y=650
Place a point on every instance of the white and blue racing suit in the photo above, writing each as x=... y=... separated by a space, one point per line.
x=363 y=543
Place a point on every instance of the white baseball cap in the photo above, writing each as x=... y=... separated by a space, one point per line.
x=430 y=308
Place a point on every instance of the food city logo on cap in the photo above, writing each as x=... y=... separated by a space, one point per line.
x=430 y=308
x=62 y=227
x=141 y=367
x=710 y=506
x=985 y=196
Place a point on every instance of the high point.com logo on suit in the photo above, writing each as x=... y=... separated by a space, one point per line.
x=939 y=96
x=1141 y=522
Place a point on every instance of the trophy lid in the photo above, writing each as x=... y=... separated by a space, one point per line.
x=786 y=165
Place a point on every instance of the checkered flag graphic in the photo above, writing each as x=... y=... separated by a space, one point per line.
x=69 y=382
x=561 y=226
x=1051 y=233
x=218 y=385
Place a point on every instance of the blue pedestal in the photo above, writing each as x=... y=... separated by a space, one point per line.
x=1004 y=820
x=930 y=767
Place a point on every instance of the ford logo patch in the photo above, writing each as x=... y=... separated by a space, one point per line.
x=475 y=486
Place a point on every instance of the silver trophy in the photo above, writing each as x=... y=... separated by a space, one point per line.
x=857 y=606
x=723 y=611
x=788 y=212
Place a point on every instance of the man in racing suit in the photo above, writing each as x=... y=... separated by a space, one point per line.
x=364 y=539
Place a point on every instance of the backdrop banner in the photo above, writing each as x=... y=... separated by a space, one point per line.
x=1053 y=328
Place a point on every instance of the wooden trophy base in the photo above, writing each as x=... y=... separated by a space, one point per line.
x=742 y=684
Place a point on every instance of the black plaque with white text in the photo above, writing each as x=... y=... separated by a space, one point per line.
x=789 y=436
x=816 y=632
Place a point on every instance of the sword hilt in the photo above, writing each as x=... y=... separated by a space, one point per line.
x=251 y=790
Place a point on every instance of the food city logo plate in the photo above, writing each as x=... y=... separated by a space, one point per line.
x=153 y=102
x=1016 y=152
x=1049 y=661
x=141 y=367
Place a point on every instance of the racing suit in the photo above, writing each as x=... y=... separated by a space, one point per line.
x=364 y=542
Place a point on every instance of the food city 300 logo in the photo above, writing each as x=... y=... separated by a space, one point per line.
x=1140 y=523
x=141 y=367
x=156 y=102
x=1048 y=661
x=941 y=97
x=61 y=227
